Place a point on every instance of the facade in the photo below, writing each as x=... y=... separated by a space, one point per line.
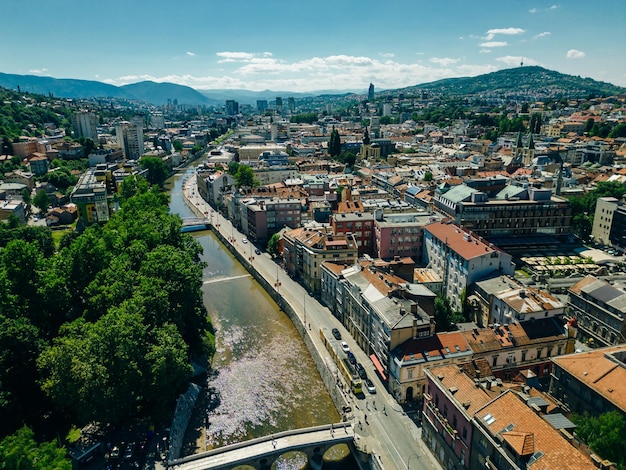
x=515 y=211
x=591 y=381
x=267 y=216
x=528 y=345
x=504 y=300
x=130 y=139
x=603 y=219
x=360 y=225
x=599 y=309
x=12 y=207
x=38 y=164
x=90 y=196
x=84 y=123
x=213 y=185
x=410 y=361
x=450 y=401
x=304 y=251
x=400 y=234
x=463 y=259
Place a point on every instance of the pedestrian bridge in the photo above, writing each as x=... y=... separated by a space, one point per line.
x=261 y=453
x=194 y=224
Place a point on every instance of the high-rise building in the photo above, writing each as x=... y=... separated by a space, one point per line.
x=279 y=105
x=370 y=93
x=84 y=123
x=261 y=105
x=291 y=104
x=130 y=139
x=232 y=107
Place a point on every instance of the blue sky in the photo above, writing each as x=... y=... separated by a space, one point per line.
x=294 y=45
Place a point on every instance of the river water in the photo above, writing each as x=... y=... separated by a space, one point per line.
x=264 y=379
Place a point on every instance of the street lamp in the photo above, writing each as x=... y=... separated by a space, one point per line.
x=304 y=308
x=409 y=461
x=277 y=284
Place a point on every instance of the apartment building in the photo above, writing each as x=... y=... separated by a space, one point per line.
x=509 y=349
x=268 y=216
x=599 y=309
x=591 y=381
x=304 y=251
x=360 y=225
x=504 y=300
x=514 y=212
x=84 y=124
x=401 y=234
x=463 y=258
x=603 y=219
x=509 y=434
x=130 y=139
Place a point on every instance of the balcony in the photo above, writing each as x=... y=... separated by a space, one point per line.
x=445 y=426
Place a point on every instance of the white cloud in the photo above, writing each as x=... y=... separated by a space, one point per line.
x=336 y=72
x=190 y=53
x=387 y=55
x=494 y=44
x=38 y=71
x=575 y=54
x=542 y=35
x=532 y=10
x=234 y=56
x=506 y=31
x=553 y=7
x=485 y=51
x=444 y=61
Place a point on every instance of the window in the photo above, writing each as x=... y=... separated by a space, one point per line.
x=495 y=361
x=464 y=433
x=538 y=353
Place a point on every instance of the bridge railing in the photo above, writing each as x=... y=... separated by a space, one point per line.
x=272 y=437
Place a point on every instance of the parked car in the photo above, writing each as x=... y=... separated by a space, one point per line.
x=115 y=452
x=345 y=347
x=129 y=452
x=370 y=386
x=360 y=370
x=336 y=334
x=257 y=251
x=244 y=240
x=351 y=357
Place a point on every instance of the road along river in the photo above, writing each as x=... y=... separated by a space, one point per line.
x=263 y=379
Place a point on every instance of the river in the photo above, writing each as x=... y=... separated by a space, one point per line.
x=264 y=380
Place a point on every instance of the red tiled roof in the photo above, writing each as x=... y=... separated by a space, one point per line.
x=456 y=239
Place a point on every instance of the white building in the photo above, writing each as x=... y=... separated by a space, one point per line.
x=462 y=259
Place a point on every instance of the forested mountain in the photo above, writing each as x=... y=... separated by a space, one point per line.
x=531 y=80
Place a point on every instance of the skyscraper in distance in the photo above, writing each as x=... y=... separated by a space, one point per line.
x=370 y=93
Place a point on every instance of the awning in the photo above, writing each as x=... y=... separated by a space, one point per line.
x=378 y=366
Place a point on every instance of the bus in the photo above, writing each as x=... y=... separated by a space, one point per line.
x=357 y=386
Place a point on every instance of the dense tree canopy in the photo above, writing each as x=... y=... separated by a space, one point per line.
x=245 y=177
x=604 y=434
x=157 y=170
x=21 y=451
x=104 y=327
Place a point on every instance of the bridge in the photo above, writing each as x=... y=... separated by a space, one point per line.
x=194 y=224
x=261 y=453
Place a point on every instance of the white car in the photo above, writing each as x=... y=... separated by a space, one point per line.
x=345 y=346
x=245 y=240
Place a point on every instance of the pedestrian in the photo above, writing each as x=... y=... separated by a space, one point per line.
x=384 y=410
x=365 y=419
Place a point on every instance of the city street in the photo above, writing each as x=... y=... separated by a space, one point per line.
x=390 y=435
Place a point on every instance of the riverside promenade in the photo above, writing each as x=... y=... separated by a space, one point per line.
x=388 y=440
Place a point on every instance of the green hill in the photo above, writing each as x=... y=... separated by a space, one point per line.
x=532 y=80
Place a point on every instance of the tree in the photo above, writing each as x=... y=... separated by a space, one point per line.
x=272 y=245
x=42 y=201
x=443 y=314
x=618 y=131
x=334 y=144
x=157 y=170
x=178 y=145
x=232 y=168
x=21 y=451
x=26 y=196
x=604 y=434
x=428 y=176
x=245 y=177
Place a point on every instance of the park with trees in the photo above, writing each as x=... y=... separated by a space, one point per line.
x=101 y=327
